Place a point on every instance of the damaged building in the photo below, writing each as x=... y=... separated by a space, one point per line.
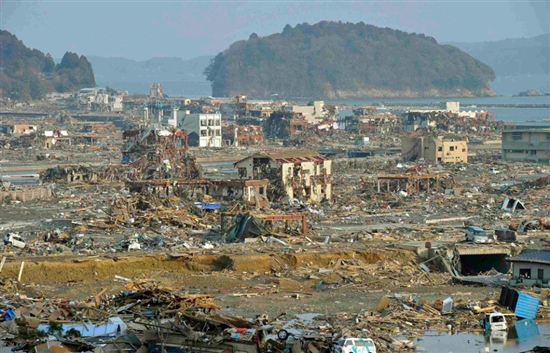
x=531 y=268
x=204 y=130
x=153 y=153
x=434 y=149
x=294 y=173
x=526 y=143
x=252 y=192
x=415 y=180
x=247 y=135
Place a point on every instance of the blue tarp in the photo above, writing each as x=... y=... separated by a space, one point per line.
x=114 y=327
x=208 y=206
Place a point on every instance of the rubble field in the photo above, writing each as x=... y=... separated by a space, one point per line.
x=309 y=234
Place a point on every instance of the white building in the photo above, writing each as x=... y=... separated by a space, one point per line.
x=204 y=130
x=115 y=103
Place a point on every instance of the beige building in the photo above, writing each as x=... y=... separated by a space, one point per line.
x=435 y=149
x=294 y=173
x=19 y=129
x=312 y=113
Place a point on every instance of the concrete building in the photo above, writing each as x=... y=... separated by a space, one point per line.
x=453 y=107
x=204 y=130
x=531 y=268
x=312 y=113
x=19 y=129
x=434 y=149
x=526 y=143
x=296 y=173
x=155 y=91
x=115 y=103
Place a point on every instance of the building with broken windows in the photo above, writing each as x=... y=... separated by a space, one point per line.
x=526 y=143
x=204 y=130
x=301 y=174
x=313 y=113
x=247 y=135
x=434 y=149
x=18 y=129
x=531 y=268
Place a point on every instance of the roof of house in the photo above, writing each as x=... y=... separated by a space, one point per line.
x=542 y=256
x=477 y=249
x=290 y=156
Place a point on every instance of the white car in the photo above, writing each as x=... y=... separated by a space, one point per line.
x=357 y=345
x=15 y=240
x=477 y=235
x=494 y=171
x=495 y=322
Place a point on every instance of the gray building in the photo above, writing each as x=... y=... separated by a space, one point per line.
x=204 y=130
x=526 y=143
x=531 y=268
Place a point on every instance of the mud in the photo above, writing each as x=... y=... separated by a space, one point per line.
x=51 y=271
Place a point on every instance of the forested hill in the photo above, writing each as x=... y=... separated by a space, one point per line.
x=346 y=60
x=30 y=74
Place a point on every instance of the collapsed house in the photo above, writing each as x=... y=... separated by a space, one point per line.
x=247 y=135
x=153 y=153
x=56 y=138
x=413 y=121
x=379 y=124
x=531 y=268
x=18 y=129
x=294 y=173
x=71 y=174
x=414 y=180
x=252 y=192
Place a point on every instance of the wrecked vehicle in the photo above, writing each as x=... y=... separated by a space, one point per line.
x=356 y=345
x=494 y=322
x=12 y=239
x=477 y=235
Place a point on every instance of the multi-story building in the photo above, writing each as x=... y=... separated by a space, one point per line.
x=204 y=130
x=526 y=143
x=155 y=91
x=435 y=149
x=312 y=113
x=292 y=173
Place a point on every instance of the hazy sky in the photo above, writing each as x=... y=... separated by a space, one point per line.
x=143 y=29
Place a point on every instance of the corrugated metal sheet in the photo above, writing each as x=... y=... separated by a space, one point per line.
x=526 y=306
x=481 y=250
x=526 y=328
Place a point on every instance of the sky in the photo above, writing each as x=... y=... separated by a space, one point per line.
x=143 y=29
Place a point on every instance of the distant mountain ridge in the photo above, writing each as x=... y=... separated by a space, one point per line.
x=346 y=60
x=29 y=74
x=520 y=64
x=177 y=76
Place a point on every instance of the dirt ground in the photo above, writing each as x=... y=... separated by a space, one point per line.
x=257 y=284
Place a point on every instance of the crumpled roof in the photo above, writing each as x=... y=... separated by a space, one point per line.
x=542 y=256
